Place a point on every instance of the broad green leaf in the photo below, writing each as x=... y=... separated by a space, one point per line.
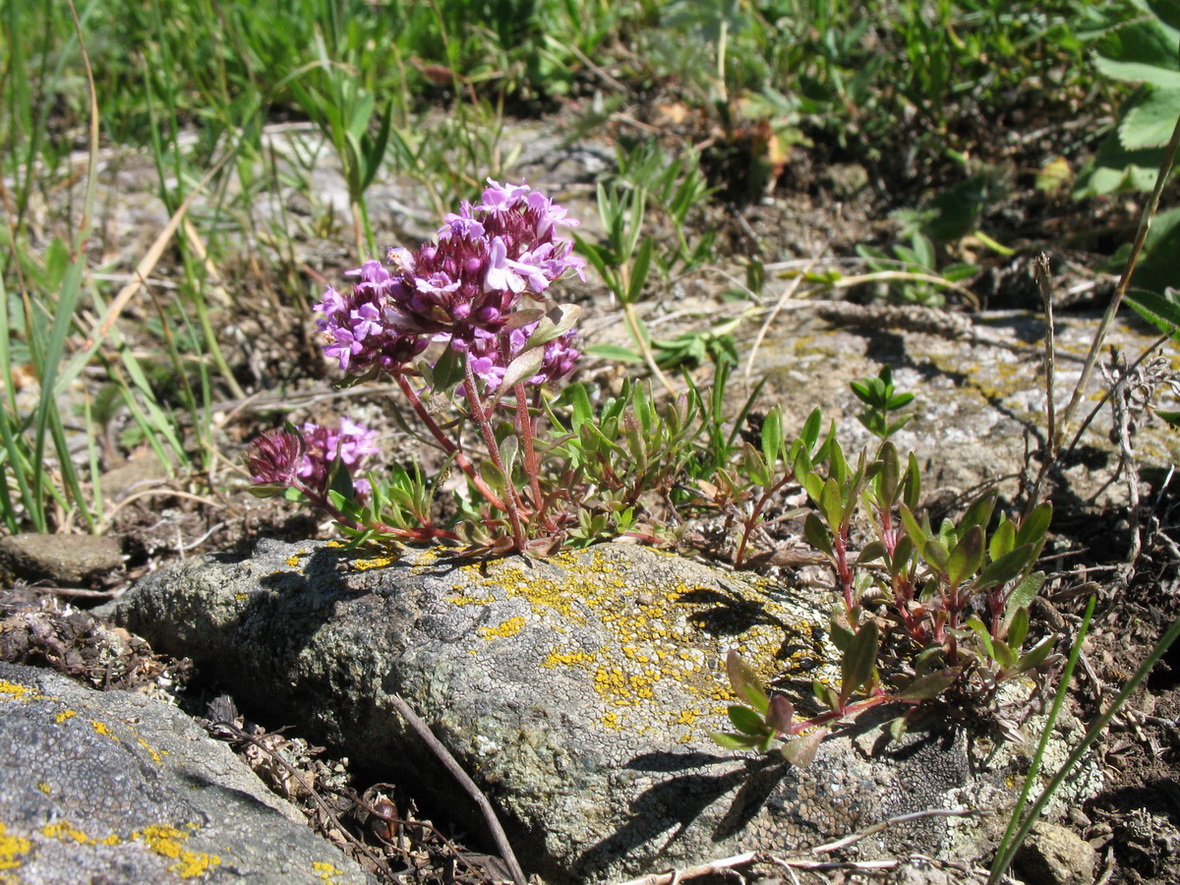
x=1023 y=593
x=1003 y=654
x=1018 y=628
x=735 y=741
x=979 y=513
x=936 y=554
x=1003 y=540
x=872 y=551
x=832 y=504
x=1036 y=655
x=746 y=720
x=524 y=366
x=985 y=637
x=615 y=352
x=1007 y=567
x=811 y=429
x=925 y=687
x=967 y=556
x=913 y=528
x=1151 y=119
x=816 y=533
x=913 y=486
x=1034 y=527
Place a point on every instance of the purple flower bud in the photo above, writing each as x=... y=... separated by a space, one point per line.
x=274 y=458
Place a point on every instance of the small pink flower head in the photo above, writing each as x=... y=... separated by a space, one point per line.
x=352 y=443
x=274 y=458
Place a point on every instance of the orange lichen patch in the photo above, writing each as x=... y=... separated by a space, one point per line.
x=63 y=716
x=169 y=842
x=510 y=627
x=12 y=848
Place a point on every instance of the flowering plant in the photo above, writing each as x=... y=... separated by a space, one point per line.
x=464 y=325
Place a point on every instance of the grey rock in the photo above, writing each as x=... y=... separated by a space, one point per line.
x=1054 y=855
x=64 y=560
x=119 y=787
x=579 y=691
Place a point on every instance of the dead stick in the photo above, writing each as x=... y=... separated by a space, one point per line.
x=449 y=762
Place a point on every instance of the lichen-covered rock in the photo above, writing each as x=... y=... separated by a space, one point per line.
x=119 y=787
x=579 y=691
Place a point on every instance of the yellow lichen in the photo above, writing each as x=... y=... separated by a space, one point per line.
x=103 y=729
x=293 y=560
x=11 y=849
x=510 y=627
x=168 y=842
x=44 y=787
x=157 y=755
x=364 y=565
x=64 y=832
x=10 y=691
x=63 y=716
x=325 y=870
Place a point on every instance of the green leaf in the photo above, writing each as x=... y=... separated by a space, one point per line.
x=1007 y=567
x=985 y=637
x=860 y=658
x=754 y=466
x=913 y=528
x=832 y=504
x=1003 y=654
x=872 y=551
x=816 y=533
x=1003 y=541
x=811 y=430
x=1034 y=527
x=967 y=556
x=745 y=682
x=1018 y=628
x=925 y=687
x=936 y=554
x=1023 y=593
x=772 y=437
x=639 y=272
x=746 y=720
x=889 y=478
x=735 y=741
x=1036 y=655
x=524 y=366
x=615 y=352
x=913 y=486
x=1150 y=120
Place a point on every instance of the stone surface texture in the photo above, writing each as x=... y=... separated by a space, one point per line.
x=579 y=691
x=65 y=560
x=118 y=787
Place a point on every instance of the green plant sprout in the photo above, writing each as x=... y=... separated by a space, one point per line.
x=881 y=400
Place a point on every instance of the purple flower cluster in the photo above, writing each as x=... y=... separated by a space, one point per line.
x=351 y=443
x=490 y=354
x=459 y=290
x=304 y=459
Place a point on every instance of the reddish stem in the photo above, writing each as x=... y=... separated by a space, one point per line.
x=447 y=445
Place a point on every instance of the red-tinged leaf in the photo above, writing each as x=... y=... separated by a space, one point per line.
x=781 y=714
x=800 y=751
x=745 y=682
